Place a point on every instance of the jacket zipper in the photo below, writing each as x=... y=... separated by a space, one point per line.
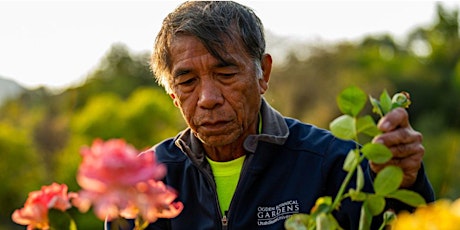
x=224 y=221
x=225 y=218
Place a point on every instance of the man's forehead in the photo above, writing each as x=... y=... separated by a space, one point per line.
x=227 y=53
x=185 y=42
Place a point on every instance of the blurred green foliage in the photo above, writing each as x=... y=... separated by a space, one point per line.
x=42 y=131
x=426 y=64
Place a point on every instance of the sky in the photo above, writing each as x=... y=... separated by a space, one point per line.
x=58 y=43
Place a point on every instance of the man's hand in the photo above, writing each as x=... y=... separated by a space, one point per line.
x=404 y=142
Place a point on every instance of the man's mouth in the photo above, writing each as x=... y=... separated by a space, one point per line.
x=214 y=126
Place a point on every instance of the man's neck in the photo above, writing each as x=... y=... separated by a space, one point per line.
x=225 y=153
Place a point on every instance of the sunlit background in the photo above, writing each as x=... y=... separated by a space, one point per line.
x=40 y=40
x=73 y=71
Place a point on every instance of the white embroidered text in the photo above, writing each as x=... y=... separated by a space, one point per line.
x=272 y=214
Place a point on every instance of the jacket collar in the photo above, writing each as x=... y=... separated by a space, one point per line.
x=274 y=130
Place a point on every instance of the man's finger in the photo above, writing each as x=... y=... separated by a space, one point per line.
x=396 y=118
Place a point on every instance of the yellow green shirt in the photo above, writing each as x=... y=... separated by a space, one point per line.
x=226 y=175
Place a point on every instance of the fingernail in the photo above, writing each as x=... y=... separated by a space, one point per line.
x=378 y=141
x=385 y=125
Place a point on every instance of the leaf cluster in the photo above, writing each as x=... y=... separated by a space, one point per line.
x=386 y=184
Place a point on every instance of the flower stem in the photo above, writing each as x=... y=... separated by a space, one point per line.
x=346 y=181
x=140 y=223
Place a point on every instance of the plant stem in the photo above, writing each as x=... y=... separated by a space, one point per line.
x=346 y=181
x=140 y=223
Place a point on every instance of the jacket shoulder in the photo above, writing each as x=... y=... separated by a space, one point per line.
x=316 y=140
x=167 y=151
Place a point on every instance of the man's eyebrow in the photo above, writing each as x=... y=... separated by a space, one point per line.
x=226 y=63
x=180 y=72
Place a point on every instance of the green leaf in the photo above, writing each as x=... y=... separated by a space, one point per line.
x=367 y=126
x=322 y=205
x=365 y=219
x=323 y=208
x=376 y=106
x=326 y=222
x=376 y=152
x=385 y=102
x=140 y=223
x=351 y=160
x=351 y=101
x=119 y=223
x=60 y=220
x=322 y=222
x=357 y=195
x=334 y=221
x=343 y=127
x=359 y=178
x=375 y=203
x=409 y=197
x=388 y=180
x=298 y=221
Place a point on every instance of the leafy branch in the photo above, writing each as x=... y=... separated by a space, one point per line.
x=386 y=184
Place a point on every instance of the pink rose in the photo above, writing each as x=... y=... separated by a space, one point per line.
x=111 y=174
x=34 y=214
x=115 y=163
x=156 y=201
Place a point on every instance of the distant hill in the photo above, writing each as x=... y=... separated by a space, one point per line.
x=9 y=89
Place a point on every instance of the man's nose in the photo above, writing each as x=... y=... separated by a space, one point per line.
x=210 y=95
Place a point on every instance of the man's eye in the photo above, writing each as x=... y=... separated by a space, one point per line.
x=227 y=75
x=187 y=82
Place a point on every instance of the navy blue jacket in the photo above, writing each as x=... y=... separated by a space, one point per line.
x=287 y=167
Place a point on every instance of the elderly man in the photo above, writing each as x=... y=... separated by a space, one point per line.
x=240 y=164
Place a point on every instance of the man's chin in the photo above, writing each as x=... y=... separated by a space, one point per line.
x=217 y=140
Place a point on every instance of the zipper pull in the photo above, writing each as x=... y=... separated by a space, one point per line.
x=225 y=220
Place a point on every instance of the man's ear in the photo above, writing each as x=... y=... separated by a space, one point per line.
x=174 y=99
x=266 y=64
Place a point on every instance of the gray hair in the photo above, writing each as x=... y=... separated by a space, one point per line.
x=214 y=23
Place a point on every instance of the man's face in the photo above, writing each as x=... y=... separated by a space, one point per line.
x=219 y=101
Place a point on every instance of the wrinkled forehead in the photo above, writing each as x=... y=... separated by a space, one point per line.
x=226 y=48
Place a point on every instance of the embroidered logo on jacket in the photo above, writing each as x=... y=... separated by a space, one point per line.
x=267 y=215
